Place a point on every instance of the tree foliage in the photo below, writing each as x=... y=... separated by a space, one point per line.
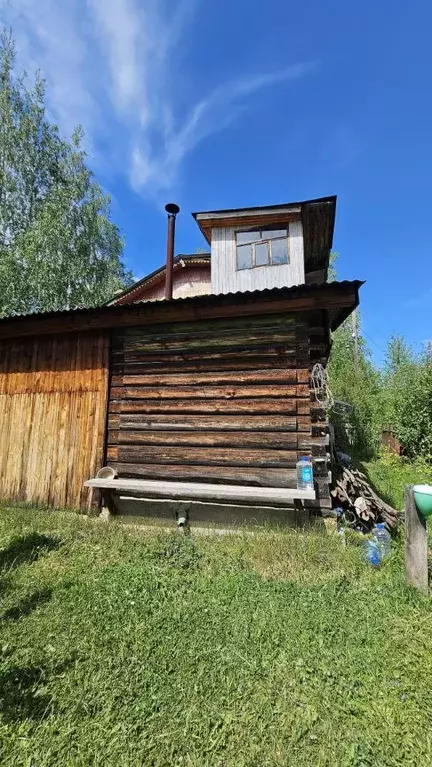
x=58 y=247
x=356 y=382
x=396 y=395
x=407 y=396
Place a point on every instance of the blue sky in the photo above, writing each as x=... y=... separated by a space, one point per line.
x=230 y=104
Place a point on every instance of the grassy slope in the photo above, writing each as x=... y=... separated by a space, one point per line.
x=390 y=474
x=119 y=648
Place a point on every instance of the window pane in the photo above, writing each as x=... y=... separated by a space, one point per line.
x=244 y=256
x=271 y=234
x=243 y=237
x=279 y=250
x=261 y=254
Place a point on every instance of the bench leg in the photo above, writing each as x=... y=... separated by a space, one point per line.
x=108 y=508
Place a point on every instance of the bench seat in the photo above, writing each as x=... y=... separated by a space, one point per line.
x=194 y=491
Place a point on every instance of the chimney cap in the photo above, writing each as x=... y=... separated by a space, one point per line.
x=172 y=208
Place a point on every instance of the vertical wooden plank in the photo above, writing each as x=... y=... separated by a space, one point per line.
x=296 y=253
x=416 y=550
x=226 y=279
x=47 y=445
x=58 y=478
x=53 y=391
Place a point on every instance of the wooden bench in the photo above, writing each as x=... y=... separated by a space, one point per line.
x=199 y=491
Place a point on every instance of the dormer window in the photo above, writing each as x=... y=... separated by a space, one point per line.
x=265 y=247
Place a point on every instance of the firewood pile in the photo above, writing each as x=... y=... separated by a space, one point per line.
x=361 y=506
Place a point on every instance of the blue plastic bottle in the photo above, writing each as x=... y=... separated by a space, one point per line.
x=379 y=547
x=383 y=538
x=372 y=552
x=305 y=474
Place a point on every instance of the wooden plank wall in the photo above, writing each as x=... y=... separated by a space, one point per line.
x=221 y=401
x=225 y=278
x=53 y=392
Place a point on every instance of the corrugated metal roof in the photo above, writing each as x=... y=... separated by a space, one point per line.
x=267 y=293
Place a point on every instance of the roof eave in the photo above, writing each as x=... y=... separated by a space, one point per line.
x=149 y=279
x=336 y=297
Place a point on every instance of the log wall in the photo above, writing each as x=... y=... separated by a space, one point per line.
x=53 y=393
x=221 y=401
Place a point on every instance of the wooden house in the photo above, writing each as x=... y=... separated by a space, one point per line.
x=208 y=390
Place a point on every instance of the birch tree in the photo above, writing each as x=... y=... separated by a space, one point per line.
x=58 y=247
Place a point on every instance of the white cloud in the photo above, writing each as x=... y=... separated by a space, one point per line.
x=109 y=66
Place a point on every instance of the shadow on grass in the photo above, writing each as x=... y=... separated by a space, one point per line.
x=27 y=549
x=23 y=693
x=27 y=605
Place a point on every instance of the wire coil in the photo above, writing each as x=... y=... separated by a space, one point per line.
x=321 y=386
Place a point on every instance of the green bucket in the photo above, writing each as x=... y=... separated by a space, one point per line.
x=423 y=499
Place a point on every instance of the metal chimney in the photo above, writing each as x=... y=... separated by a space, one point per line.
x=172 y=209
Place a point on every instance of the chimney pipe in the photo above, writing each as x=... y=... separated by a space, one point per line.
x=172 y=209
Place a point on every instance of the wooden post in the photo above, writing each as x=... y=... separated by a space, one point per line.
x=416 y=551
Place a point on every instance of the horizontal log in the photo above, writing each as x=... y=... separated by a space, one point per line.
x=113 y=421
x=182 y=422
x=316 y=446
x=191 y=330
x=270 y=348
x=273 y=406
x=213 y=340
x=203 y=364
x=226 y=474
x=303 y=407
x=185 y=353
x=205 y=392
x=217 y=325
x=214 y=378
x=239 y=439
x=204 y=456
x=200 y=491
x=304 y=424
x=303 y=376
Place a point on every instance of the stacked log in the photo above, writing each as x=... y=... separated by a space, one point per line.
x=360 y=504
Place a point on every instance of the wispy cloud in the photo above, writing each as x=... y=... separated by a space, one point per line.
x=110 y=67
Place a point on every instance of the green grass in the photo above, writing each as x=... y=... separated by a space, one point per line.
x=390 y=474
x=120 y=648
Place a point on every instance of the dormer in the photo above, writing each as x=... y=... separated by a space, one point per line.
x=269 y=247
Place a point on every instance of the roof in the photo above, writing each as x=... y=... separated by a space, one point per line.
x=338 y=299
x=317 y=216
x=181 y=260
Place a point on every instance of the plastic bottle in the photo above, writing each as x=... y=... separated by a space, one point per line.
x=372 y=552
x=377 y=548
x=383 y=539
x=305 y=474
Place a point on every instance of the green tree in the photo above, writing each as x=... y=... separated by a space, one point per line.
x=407 y=390
x=355 y=380
x=58 y=247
